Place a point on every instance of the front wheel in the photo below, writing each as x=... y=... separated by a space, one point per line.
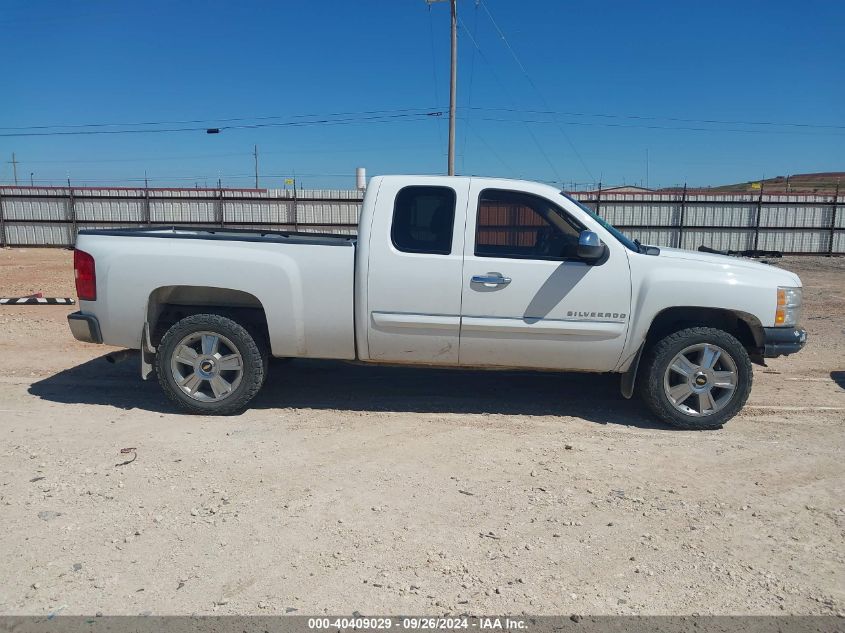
x=208 y=364
x=697 y=378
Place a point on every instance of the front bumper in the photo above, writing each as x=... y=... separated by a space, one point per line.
x=783 y=341
x=84 y=327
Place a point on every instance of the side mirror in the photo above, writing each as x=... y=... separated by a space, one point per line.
x=590 y=247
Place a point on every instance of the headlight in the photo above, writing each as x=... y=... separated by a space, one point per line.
x=789 y=306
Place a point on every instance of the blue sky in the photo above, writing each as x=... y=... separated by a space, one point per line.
x=619 y=78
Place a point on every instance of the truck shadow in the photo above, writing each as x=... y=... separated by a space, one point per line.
x=337 y=385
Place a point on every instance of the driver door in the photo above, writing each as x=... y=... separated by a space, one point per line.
x=527 y=299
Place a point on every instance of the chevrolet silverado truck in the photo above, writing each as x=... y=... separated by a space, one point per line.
x=444 y=271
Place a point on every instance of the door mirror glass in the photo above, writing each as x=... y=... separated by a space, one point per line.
x=590 y=247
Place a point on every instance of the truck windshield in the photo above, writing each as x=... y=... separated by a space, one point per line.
x=619 y=235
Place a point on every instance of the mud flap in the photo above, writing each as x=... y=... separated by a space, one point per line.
x=147 y=353
x=629 y=378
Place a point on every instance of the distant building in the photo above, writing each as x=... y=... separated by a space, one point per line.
x=620 y=189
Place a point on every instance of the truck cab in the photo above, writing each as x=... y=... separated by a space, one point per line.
x=478 y=272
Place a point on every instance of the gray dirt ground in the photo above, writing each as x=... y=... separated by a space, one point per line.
x=406 y=490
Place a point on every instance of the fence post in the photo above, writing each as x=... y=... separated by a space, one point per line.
x=832 y=221
x=2 y=223
x=220 y=204
x=757 y=220
x=147 y=213
x=683 y=217
x=295 y=208
x=71 y=210
x=598 y=200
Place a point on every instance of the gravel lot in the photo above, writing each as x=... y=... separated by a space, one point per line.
x=407 y=490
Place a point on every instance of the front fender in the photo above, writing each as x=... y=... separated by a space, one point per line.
x=748 y=290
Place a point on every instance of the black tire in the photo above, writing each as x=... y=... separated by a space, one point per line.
x=655 y=365
x=254 y=359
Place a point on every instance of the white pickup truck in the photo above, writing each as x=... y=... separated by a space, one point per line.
x=447 y=271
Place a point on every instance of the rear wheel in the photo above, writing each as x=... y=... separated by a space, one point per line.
x=697 y=378
x=210 y=365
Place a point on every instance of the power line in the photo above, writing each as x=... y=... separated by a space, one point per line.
x=422 y=111
x=135 y=160
x=374 y=119
x=489 y=147
x=658 y=127
x=433 y=59
x=220 y=120
x=533 y=85
x=402 y=118
x=469 y=91
x=507 y=92
x=666 y=118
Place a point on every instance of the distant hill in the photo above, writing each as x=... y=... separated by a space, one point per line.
x=824 y=182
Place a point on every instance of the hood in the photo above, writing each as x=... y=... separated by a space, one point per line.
x=727 y=263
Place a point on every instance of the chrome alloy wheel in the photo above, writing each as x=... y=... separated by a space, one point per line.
x=700 y=380
x=207 y=366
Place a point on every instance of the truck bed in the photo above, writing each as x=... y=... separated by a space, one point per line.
x=303 y=282
x=235 y=235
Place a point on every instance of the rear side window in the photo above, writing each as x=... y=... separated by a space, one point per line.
x=423 y=218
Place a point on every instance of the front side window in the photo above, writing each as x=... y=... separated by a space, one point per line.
x=523 y=226
x=423 y=218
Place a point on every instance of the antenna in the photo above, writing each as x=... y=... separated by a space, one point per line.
x=255 y=155
x=14 y=162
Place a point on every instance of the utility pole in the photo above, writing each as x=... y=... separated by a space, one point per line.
x=453 y=82
x=15 y=167
x=255 y=155
x=453 y=87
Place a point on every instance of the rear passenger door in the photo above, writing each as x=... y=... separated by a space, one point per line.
x=415 y=272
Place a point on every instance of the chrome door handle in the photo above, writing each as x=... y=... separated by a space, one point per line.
x=491 y=279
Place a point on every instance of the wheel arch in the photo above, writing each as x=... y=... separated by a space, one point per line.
x=745 y=327
x=167 y=305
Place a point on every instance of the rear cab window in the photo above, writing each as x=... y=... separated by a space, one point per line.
x=423 y=220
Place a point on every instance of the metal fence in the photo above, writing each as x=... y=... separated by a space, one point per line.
x=794 y=224
x=790 y=223
x=52 y=216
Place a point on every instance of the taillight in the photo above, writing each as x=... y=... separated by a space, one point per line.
x=86 y=276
